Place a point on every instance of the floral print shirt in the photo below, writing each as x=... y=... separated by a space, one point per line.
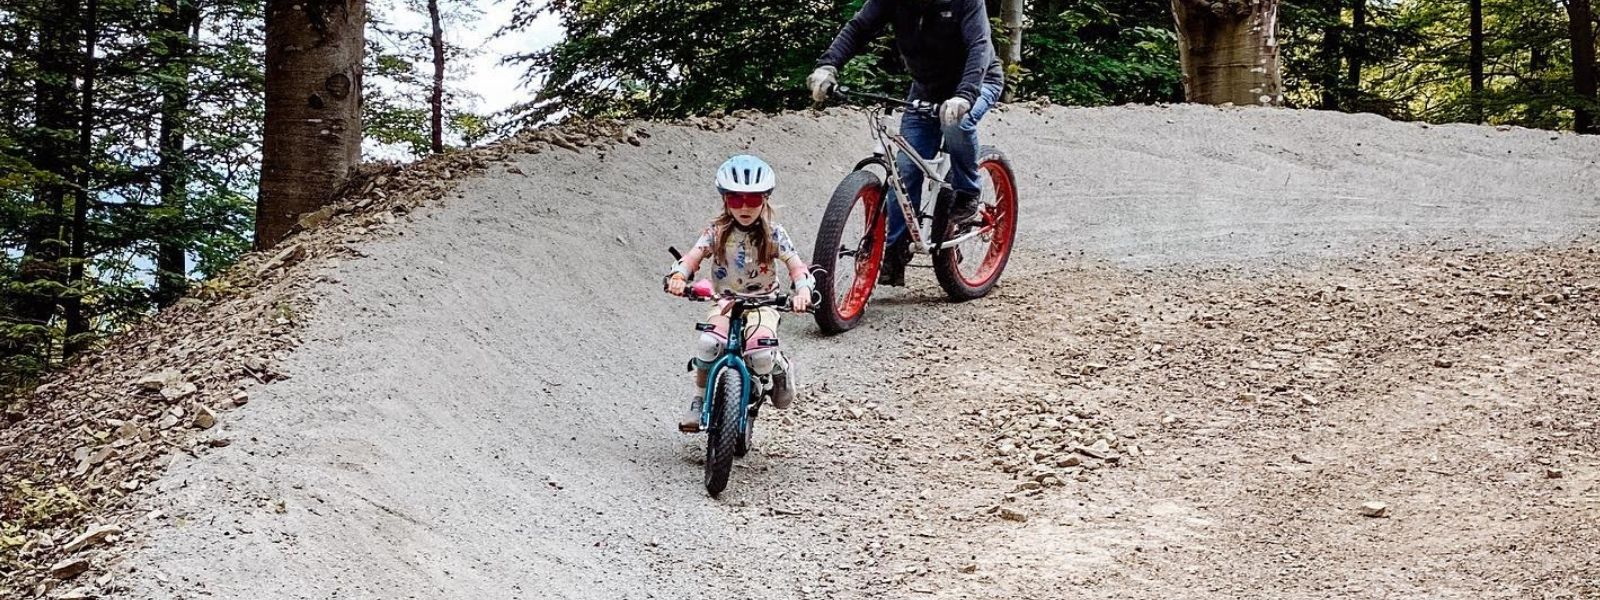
x=739 y=270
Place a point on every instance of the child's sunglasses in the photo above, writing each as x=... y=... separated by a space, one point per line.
x=744 y=199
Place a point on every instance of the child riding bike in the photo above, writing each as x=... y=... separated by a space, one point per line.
x=743 y=243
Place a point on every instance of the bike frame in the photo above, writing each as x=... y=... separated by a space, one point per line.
x=885 y=140
x=877 y=122
x=732 y=357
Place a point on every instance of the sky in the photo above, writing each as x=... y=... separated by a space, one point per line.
x=497 y=86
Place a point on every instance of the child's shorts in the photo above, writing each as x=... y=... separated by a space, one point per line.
x=765 y=316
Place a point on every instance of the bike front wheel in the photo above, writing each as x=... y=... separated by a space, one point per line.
x=724 y=430
x=969 y=270
x=849 y=251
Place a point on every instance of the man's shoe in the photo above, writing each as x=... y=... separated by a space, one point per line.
x=964 y=210
x=895 y=258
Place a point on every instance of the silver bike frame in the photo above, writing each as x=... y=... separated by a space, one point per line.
x=878 y=123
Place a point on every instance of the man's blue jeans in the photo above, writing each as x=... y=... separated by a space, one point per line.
x=961 y=142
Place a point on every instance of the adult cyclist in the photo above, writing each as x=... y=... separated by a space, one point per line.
x=947 y=48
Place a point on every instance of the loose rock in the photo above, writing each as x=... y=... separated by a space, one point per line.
x=1377 y=510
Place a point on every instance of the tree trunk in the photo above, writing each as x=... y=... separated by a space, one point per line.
x=172 y=264
x=1011 y=15
x=77 y=319
x=40 y=268
x=1581 y=24
x=1357 y=44
x=1230 y=52
x=1475 y=58
x=1332 y=47
x=438 y=77
x=313 y=120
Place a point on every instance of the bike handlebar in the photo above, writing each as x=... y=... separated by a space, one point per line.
x=921 y=106
x=779 y=301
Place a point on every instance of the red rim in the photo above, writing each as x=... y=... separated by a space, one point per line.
x=866 y=271
x=1000 y=219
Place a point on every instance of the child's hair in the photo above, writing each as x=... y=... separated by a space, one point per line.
x=766 y=248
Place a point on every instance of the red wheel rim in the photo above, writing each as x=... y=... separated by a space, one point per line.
x=1001 y=220
x=868 y=259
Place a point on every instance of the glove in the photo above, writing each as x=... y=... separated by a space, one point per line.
x=821 y=82
x=953 y=110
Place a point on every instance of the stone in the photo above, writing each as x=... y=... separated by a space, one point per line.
x=285 y=257
x=203 y=418
x=1376 y=510
x=315 y=218
x=178 y=389
x=69 y=568
x=1099 y=449
x=155 y=381
x=1012 y=514
x=95 y=535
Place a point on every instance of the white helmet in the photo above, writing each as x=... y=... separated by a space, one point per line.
x=745 y=173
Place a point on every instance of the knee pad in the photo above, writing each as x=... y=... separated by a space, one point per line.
x=761 y=360
x=709 y=346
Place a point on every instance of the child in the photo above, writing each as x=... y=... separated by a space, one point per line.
x=743 y=242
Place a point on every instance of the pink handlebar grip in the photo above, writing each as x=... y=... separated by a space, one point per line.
x=702 y=289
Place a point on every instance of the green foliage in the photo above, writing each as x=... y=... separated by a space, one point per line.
x=671 y=58
x=191 y=68
x=1527 y=65
x=1315 y=73
x=1100 y=52
x=678 y=57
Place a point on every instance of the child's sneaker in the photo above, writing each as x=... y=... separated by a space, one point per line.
x=691 y=419
x=783 y=384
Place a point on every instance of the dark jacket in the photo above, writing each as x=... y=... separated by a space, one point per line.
x=945 y=44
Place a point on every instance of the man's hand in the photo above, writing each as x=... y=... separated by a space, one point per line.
x=953 y=111
x=821 y=82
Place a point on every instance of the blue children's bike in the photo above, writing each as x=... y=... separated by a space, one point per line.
x=734 y=394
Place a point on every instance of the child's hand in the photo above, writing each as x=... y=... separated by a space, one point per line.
x=801 y=301
x=676 y=285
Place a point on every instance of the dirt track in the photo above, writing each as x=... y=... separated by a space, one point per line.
x=1289 y=313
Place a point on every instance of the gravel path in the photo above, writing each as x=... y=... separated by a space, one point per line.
x=484 y=406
